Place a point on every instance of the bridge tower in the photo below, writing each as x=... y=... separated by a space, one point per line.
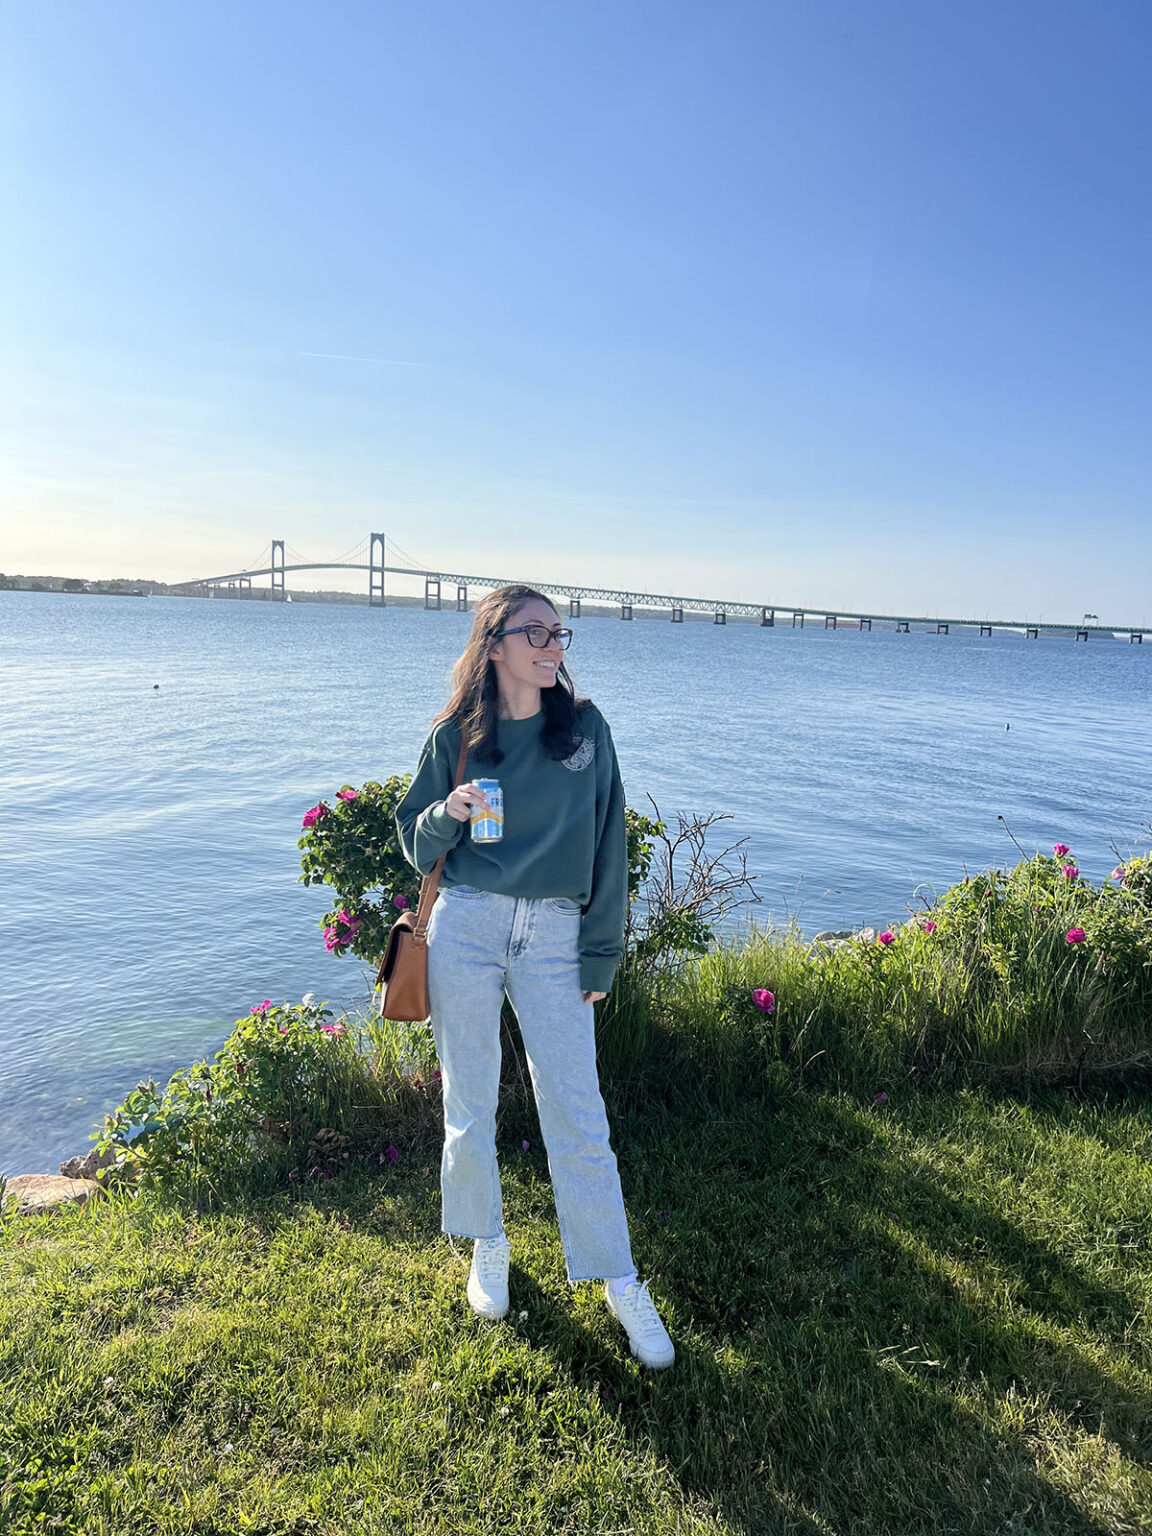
x=278 y=569
x=375 y=571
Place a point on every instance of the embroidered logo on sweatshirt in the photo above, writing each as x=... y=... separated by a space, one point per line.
x=582 y=756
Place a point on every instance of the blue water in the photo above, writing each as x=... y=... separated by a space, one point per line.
x=148 y=836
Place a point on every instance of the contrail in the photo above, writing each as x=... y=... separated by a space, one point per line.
x=343 y=357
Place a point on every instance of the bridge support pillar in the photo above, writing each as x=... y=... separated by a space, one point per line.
x=625 y=610
x=1032 y=632
x=461 y=598
x=941 y=629
x=677 y=615
x=1082 y=634
x=1136 y=637
x=985 y=629
x=796 y=616
x=902 y=627
x=866 y=624
x=767 y=618
x=432 y=592
x=573 y=607
x=278 y=569
x=245 y=583
x=829 y=621
x=375 y=570
x=720 y=617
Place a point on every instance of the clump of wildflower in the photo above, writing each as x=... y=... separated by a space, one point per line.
x=764 y=1000
x=342 y=932
x=1075 y=936
x=887 y=937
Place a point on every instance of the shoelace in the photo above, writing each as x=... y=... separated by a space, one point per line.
x=642 y=1309
x=490 y=1258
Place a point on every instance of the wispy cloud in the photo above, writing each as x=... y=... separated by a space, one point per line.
x=343 y=357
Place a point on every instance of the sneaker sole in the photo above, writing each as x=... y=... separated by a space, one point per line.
x=649 y=1365
x=491 y=1314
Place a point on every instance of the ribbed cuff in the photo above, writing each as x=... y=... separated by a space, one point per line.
x=443 y=827
x=596 y=975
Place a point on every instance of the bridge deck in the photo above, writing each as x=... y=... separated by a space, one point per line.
x=665 y=600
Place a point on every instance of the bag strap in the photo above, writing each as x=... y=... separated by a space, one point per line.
x=430 y=884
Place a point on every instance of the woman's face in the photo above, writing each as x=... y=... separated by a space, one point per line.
x=520 y=663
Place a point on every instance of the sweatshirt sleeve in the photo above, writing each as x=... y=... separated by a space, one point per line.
x=425 y=828
x=602 y=928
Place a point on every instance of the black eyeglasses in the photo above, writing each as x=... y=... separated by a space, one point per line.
x=539 y=635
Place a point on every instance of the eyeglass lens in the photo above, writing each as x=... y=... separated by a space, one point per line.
x=539 y=636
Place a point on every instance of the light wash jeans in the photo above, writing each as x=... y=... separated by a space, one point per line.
x=481 y=945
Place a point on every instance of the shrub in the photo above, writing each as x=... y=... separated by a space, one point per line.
x=292 y=1091
x=353 y=848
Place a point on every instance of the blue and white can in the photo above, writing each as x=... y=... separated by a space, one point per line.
x=488 y=824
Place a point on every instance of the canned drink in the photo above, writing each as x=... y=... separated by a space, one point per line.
x=488 y=825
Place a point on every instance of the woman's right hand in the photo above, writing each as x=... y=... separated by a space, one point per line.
x=463 y=798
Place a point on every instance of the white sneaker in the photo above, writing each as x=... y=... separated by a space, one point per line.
x=646 y=1333
x=488 y=1277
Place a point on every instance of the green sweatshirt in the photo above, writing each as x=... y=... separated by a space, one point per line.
x=563 y=829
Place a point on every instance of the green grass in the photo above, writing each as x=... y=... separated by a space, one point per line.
x=900 y=1227
x=927 y=1316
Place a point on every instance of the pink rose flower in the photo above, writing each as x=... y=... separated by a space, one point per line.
x=880 y=1098
x=347 y=795
x=1059 y=849
x=314 y=815
x=887 y=937
x=1071 y=871
x=1118 y=874
x=1075 y=935
x=262 y=1007
x=929 y=926
x=392 y=1154
x=334 y=1029
x=764 y=1000
x=401 y=903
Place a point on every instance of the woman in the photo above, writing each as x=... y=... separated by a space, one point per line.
x=538 y=915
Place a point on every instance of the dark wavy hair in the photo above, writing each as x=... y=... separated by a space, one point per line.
x=475 y=693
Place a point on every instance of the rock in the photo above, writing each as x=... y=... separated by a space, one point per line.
x=36 y=1193
x=88 y=1166
x=867 y=934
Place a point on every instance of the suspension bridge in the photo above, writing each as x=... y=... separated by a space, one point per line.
x=374 y=554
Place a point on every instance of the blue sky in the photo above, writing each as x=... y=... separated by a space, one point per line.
x=829 y=303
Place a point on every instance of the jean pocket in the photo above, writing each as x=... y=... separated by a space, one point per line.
x=562 y=904
x=462 y=892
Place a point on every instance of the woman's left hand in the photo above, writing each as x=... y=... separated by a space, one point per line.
x=595 y=997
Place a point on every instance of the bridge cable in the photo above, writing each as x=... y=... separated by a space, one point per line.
x=404 y=556
x=357 y=549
